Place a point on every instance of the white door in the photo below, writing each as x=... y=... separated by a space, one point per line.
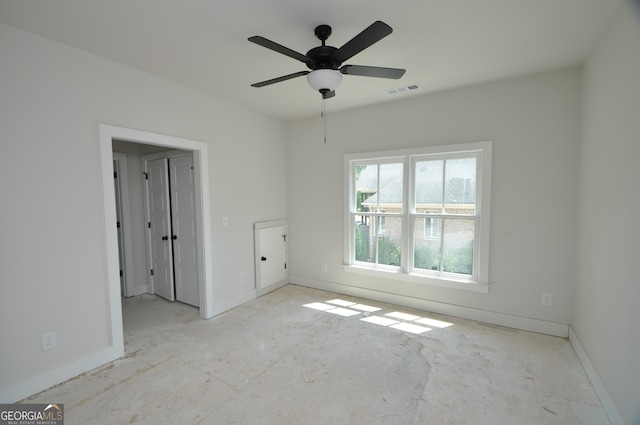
x=271 y=255
x=183 y=215
x=160 y=228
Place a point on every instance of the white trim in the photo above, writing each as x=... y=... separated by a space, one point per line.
x=145 y=208
x=165 y=154
x=270 y=223
x=203 y=222
x=399 y=153
x=596 y=382
x=139 y=290
x=484 y=316
x=31 y=386
x=111 y=249
x=123 y=178
x=396 y=274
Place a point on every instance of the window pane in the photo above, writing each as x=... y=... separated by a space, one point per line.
x=362 y=239
x=366 y=184
x=390 y=241
x=458 y=240
x=379 y=187
x=460 y=186
x=377 y=239
x=429 y=186
x=391 y=188
x=426 y=242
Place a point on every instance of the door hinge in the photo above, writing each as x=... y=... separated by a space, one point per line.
x=151 y=272
x=115 y=174
x=285 y=266
x=149 y=225
x=118 y=224
x=121 y=273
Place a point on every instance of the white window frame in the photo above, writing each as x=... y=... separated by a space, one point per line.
x=429 y=233
x=479 y=281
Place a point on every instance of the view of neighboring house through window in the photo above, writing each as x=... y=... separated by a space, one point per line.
x=418 y=212
x=445 y=205
x=378 y=222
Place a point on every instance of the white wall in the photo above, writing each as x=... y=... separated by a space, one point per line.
x=534 y=124
x=52 y=267
x=607 y=293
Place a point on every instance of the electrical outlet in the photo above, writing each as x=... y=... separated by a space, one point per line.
x=48 y=340
x=546 y=299
x=324 y=268
x=241 y=277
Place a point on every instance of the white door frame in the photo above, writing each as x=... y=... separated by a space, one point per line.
x=200 y=158
x=123 y=178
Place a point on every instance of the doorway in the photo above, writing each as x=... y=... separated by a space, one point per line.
x=108 y=133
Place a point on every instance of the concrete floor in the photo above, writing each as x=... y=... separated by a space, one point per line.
x=301 y=356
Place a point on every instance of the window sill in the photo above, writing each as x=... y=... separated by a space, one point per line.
x=443 y=282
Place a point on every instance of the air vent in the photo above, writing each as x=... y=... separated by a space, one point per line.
x=404 y=89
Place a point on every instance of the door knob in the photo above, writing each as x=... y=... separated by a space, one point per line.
x=174 y=237
x=263 y=258
x=164 y=238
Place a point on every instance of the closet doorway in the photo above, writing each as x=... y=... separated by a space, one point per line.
x=171 y=217
x=109 y=133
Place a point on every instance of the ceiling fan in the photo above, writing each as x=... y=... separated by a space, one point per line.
x=325 y=62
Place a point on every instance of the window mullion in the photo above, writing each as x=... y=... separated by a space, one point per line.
x=441 y=229
x=376 y=219
x=442 y=212
x=406 y=250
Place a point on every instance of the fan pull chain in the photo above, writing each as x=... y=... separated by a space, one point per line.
x=324 y=119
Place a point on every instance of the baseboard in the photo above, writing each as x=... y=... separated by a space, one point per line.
x=139 y=290
x=21 y=390
x=246 y=296
x=494 y=318
x=596 y=382
x=272 y=287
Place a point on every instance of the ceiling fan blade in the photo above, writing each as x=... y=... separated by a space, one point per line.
x=372 y=34
x=279 y=79
x=261 y=41
x=372 y=71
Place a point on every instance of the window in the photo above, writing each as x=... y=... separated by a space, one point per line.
x=422 y=214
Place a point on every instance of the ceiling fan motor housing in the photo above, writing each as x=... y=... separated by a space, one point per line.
x=322 y=57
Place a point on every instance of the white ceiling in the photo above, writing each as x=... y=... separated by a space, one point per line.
x=203 y=44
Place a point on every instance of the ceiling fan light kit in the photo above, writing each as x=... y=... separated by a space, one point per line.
x=325 y=62
x=324 y=80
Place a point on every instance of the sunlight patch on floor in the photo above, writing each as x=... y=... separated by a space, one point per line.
x=397 y=320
